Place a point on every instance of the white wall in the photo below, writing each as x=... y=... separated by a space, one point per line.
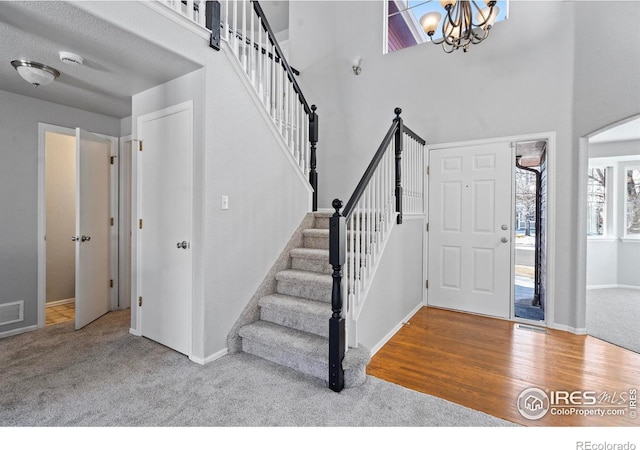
x=19 y=117
x=396 y=292
x=519 y=81
x=606 y=91
x=60 y=155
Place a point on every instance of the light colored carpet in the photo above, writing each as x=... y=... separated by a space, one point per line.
x=613 y=315
x=103 y=376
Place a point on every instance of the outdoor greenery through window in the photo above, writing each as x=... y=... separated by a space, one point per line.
x=632 y=204
x=596 y=201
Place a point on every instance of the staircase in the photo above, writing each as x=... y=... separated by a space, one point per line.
x=293 y=329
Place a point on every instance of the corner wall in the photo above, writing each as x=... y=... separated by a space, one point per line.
x=517 y=82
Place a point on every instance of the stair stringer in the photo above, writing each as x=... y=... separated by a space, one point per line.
x=251 y=312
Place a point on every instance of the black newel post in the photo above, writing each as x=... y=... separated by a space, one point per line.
x=313 y=139
x=212 y=17
x=337 y=254
x=399 y=133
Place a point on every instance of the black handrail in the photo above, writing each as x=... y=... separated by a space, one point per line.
x=337 y=242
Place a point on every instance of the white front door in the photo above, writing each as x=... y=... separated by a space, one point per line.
x=92 y=227
x=164 y=230
x=470 y=229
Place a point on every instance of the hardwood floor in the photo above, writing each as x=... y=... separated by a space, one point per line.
x=486 y=363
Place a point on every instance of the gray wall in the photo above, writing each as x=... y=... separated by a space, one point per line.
x=397 y=290
x=19 y=117
x=240 y=157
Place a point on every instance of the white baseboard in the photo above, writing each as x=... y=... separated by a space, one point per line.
x=395 y=329
x=5 y=334
x=561 y=327
x=210 y=358
x=612 y=286
x=60 y=302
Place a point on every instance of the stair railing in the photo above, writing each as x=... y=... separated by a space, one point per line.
x=358 y=233
x=245 y=27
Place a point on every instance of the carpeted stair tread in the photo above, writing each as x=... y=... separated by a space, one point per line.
x=289 y=340
x=303 y=276
x=310 y=253
x=301 y=314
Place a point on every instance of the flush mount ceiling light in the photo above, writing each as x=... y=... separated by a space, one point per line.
x=459 y=29
x=34 y=72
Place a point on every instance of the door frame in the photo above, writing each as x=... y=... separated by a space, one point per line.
x=550 y=137
x=43 y=128
x=136 y=201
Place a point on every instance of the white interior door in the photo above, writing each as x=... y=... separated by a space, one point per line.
x=92 y=227
x=164 y=237
x=470 y=229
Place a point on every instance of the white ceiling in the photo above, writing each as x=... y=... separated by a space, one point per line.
x=117 y=63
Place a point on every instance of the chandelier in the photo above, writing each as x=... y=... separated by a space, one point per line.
x=465 y=23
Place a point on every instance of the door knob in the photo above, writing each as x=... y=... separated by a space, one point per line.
x=85 y=238
x=504 y=240
x=183 y=244
x=75 y=238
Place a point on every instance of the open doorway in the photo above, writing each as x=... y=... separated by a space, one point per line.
x=77 y=219
x=530 y=206
x=60 y=169
x=613 y=235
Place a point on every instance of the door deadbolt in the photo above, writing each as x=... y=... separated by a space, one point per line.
x=183 y=244
x=504 y=227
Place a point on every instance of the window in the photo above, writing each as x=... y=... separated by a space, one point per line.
x=632 y=202
x=597 y=201
x=403 y=21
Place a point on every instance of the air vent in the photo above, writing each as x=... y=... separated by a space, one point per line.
x=11 y=312
x=532 y=328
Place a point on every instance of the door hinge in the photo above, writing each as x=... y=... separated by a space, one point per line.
x=111 y=221
x=428 y=170
x=140 y=145
x=112 y=159
x=427 y=226
x=139 y=301
x=426 y=284
x=110 y=283
x=140 y=224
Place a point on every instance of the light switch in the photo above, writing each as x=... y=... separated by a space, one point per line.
x=225 y=202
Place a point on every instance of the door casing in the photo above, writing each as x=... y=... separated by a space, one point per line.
x=550 y=137
x=42 y=215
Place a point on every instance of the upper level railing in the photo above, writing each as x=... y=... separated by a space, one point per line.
x=358 y=233
x=244 y=26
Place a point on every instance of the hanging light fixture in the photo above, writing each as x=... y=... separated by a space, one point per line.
x=465 y=23
x=34 y=72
